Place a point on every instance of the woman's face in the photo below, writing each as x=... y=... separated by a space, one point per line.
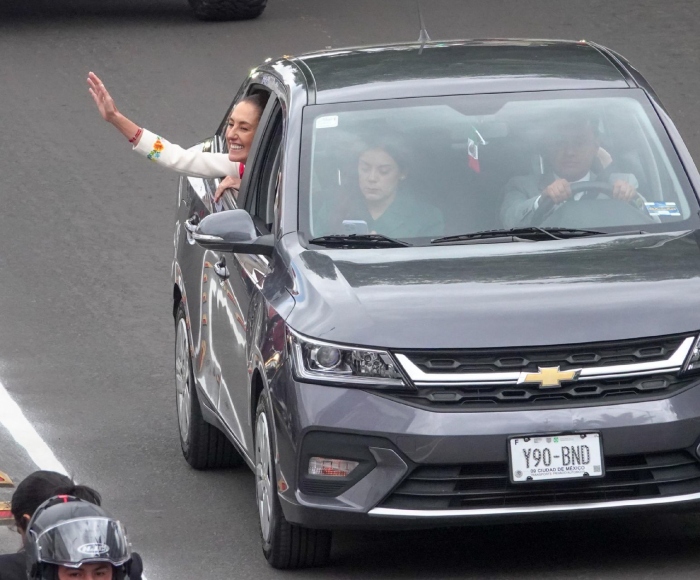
x=97 y=571
x=379 y=175
x=241 y=129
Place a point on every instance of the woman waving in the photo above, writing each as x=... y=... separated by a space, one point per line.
x=242 y=124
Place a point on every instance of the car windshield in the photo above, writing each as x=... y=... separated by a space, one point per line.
x=421 y=169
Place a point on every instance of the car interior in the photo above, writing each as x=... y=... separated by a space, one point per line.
x=469 y=191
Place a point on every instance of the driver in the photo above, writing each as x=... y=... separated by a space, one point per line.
x=573 y=155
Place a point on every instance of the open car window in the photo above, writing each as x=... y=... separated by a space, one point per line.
x=266 y=179
x=259 y=183
x=231 y=199
x=417 y=169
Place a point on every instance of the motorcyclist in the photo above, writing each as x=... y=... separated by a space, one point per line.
x=32 y=491
x=71 y=539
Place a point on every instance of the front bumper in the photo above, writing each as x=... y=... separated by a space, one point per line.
x=416 y=438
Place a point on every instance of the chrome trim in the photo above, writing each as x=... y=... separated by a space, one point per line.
x=196 y=236
x=419 y=377
x=674 y=363
x=628 y=503
x=671 y=364
x=190 y=226
x=221 y=269
x=690 y=354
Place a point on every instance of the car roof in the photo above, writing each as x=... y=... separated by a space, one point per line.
x=458 y=67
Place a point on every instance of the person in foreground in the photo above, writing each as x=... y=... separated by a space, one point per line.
x=572 y=153
x=243 y=122
x=72 y=539
x=31 y=492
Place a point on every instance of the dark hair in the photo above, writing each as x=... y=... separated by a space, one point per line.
x=392 y=144
x=39 y=486
x=259 y=100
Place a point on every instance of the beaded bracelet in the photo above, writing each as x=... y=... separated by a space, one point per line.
x=135 y=137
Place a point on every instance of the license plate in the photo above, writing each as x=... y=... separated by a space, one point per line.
x=546 y=458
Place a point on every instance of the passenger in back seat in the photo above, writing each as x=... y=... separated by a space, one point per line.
x=573 y=153
x=382 y=201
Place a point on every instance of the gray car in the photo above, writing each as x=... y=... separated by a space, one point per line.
x=460 y=283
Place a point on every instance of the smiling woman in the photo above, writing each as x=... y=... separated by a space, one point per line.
x=242 y=124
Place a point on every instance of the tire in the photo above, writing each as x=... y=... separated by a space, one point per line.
x=203 y=445
x=285 y=545
x=227 y=9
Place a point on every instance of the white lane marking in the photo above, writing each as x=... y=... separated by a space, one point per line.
x=23 y=432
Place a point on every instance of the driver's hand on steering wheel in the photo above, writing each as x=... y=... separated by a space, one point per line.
x=624 y=191
x=558 y=191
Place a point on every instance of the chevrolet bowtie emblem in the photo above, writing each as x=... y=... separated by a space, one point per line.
x=549 y=377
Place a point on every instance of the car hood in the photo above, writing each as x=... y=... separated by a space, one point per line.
x=500 y=294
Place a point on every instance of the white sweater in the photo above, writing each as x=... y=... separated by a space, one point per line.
x=187 y=161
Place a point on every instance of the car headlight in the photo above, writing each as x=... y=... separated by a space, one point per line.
x=692 y=363
x=324 y=362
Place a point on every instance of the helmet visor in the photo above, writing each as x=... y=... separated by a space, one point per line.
x=74 y=542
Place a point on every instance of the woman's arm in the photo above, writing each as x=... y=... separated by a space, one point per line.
x=155 y=148
x=108 y=110
x=187 y=161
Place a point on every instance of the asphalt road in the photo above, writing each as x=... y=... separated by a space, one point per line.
x=86 y=333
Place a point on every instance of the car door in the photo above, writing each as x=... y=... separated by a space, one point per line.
x=240 y=276
x=199 y=265
x=193 y=270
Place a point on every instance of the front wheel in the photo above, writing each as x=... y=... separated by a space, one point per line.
x=227 y=9
x=285 y=545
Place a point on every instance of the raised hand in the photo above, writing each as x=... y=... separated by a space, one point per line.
x=108 y=110
x=103 y=100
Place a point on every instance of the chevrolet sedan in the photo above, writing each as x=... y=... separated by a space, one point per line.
x=460 y=283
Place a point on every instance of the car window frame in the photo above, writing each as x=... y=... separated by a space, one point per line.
x=260 y=204
x=250 y=188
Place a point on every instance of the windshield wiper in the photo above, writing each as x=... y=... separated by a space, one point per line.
x=529 y=233
x=359 y=241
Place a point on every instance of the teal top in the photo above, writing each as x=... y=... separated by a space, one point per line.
x=406 y=217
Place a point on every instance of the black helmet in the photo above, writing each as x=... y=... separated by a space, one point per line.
x=67 y=531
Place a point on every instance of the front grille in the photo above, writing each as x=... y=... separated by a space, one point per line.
x=487 y=485
x=528 y=359
x=590 y=392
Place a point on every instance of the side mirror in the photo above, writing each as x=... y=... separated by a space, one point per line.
x=230 y=231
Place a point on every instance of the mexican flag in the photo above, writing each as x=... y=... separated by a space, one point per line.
x=474 y=141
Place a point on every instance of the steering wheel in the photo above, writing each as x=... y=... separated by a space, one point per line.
x=590 y=188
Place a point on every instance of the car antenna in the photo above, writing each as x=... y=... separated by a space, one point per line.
x=423 y=36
